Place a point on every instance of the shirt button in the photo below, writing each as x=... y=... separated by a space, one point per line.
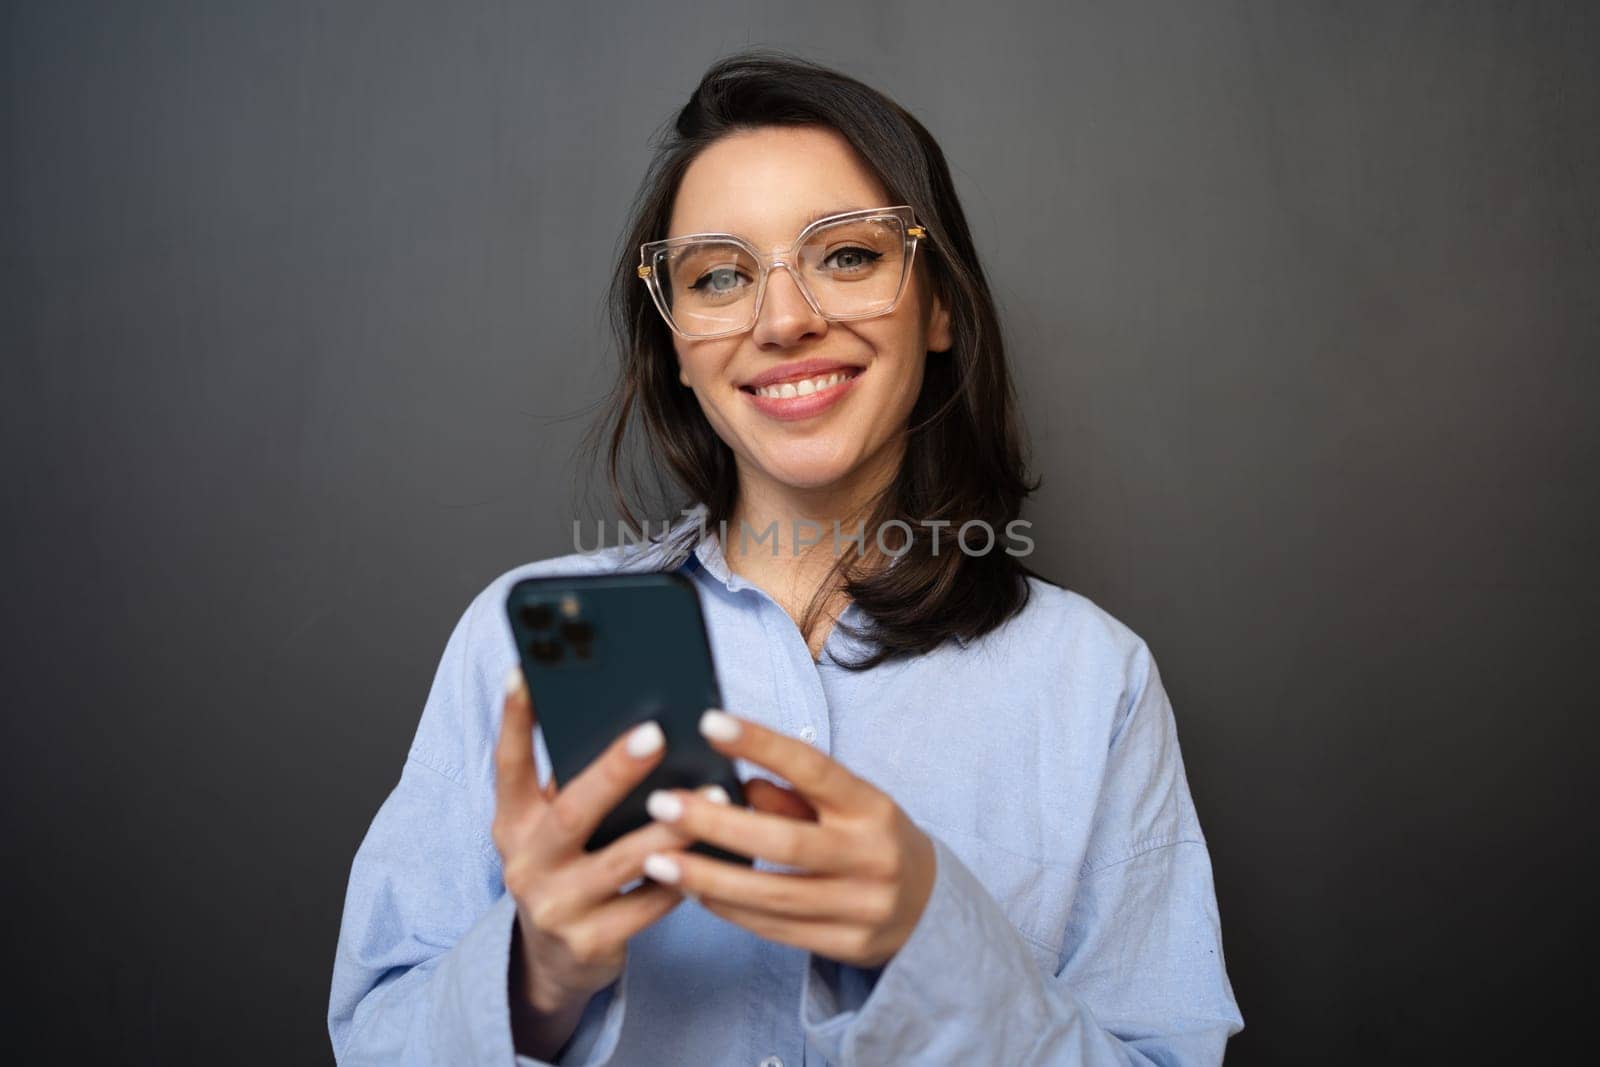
x=772 y=1061
x=808 y=735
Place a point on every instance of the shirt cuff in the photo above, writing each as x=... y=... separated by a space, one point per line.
x=469 y=1005
x=594 y=1042
x=962 y=953
x=479 y=997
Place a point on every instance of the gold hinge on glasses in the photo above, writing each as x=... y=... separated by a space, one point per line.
x=643 y=271
x=917 y=231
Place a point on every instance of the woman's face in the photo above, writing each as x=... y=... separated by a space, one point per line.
x=766 y=185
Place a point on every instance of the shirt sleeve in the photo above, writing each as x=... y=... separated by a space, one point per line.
x=421 y=971
x=1141 y=977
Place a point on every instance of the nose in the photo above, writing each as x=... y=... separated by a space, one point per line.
x=786 y=319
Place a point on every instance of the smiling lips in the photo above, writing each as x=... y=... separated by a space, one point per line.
x=801 y=397
x=805 y=386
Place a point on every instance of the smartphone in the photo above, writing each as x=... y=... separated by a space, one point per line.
x=604 y=652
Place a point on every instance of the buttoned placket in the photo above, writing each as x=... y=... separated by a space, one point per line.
x=799 y=700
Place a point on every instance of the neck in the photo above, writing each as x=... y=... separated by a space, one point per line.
x=800 y=522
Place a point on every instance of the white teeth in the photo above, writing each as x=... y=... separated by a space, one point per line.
x=803 y=388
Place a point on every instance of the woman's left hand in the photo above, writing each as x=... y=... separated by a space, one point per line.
x=864 y=870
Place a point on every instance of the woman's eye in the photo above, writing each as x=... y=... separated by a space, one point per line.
x=852 y=258
x=720 y=280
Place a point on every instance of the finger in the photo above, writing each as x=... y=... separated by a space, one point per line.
x=775 y=838
x=593 y=878
x=598 y=875
x=601 y=786
x=614 y=922
x=516 y=778
x=715 y=793
x=795 y=895
x=820 y=779
x=832 y=940
x=774 y=799
x=596 y=878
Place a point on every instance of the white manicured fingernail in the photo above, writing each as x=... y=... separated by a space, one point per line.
x=719 y=725
x=513 y=680
x=661 y=868
x=717 y=795
x=664 y=806
x=645 y=739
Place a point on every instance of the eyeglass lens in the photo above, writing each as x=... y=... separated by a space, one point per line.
x=852 y=269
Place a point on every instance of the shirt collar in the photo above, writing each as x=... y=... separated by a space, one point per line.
x=707 y=551
x=707 y=555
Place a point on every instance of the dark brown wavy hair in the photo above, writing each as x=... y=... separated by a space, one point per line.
x=963 y=458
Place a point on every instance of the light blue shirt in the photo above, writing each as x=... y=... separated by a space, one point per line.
x=1072 y=919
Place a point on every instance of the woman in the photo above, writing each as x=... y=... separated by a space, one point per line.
x=973 y=836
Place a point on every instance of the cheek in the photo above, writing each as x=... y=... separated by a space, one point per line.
x=703 y=371
x=901 y=352
x=912 y=387
x=701 y=364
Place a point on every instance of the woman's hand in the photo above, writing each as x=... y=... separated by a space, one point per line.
x=865 y=871
x=573 y=923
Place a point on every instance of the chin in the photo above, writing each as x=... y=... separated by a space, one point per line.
x=797 y=473
x=810 y=478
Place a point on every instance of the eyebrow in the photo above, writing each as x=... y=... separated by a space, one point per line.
x=815 y=215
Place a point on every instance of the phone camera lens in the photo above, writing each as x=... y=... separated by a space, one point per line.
x=545 y=651
x=581 y=635
x=538 y=616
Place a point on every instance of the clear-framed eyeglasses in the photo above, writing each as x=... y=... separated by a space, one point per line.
x=849 y=266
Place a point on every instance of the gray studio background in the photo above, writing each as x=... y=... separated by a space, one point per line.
x=302 y=321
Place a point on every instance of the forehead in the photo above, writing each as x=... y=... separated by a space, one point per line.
x=768 y=184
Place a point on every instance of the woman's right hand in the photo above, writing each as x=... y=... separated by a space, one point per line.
x=573 y=924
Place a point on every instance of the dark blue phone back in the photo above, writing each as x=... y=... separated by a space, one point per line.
x=604 y=652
